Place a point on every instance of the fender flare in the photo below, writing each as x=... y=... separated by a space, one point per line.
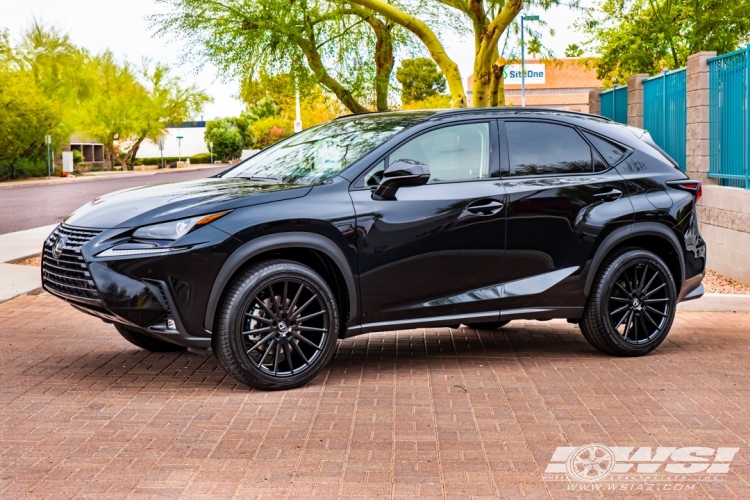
x=625 y=233
x=263 y=244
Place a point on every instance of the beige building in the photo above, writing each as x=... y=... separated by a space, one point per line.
x=567 y=82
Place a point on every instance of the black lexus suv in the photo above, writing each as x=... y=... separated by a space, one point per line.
x=391 y=221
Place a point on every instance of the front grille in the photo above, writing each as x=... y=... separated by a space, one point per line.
x=67 y=274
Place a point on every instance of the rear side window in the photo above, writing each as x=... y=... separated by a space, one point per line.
x=537 y=148
x=612 y=153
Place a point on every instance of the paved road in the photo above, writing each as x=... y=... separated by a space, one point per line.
x=28 y=206
x=429 y=413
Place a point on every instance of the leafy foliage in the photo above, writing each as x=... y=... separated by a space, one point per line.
x=647 y=36
x=419 y=79
x=230 y=136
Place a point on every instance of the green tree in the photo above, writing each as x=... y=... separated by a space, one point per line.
x=25 y=119
x=230 y=136
x=419 y=79
x=320 y=40
x=168 y=101
x=647 y=36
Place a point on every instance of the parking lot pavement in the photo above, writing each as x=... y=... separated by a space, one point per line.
x=423 y=413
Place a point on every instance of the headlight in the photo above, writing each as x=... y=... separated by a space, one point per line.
x=175 y=229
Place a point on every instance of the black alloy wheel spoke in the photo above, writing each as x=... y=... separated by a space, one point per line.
x=303 y=307
x=302 y=328
x=299 y=352
x=262 y=341
x=276 y=359
x=258 y=331
x=262 y=304
x=259 y=318
x=649 y=294
x=623 y=289
x=639 y=292
x=275 y=302
x=275 y=338
x=306 y=340
x=649 y=308
x=288 y=355
x=293 y=303
x=265 y=353
x=650 y=319
x=310 y=316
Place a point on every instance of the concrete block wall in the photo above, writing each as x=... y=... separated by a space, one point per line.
x=698 y=145
x=635 y=100
x=724 y=220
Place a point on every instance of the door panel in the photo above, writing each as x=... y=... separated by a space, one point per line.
x=554 y=221
x=423 y=254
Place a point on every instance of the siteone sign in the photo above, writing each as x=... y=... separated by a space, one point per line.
x=535 y=74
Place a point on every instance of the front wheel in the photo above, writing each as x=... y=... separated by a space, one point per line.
x=278 y=326
x=632 y=304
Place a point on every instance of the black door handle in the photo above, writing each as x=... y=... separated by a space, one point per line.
x=485 y=207
x=611 y=195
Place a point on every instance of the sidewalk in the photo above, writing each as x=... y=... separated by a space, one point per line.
x=108 y=174
x=18 y=280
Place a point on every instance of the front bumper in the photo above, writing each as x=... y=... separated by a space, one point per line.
x=163 y=296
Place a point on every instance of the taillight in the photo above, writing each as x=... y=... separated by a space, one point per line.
x=694 y=187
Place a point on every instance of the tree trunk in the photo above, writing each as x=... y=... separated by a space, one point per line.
x=497 y=81
x=383 y=61
x=485 y=89
x=134 y=151
x=430 y=41
x=321 y=75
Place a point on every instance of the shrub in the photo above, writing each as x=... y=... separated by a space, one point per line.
x=271 y=130
x=77 y=157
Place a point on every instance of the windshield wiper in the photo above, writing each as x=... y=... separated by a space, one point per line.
x=263 y=179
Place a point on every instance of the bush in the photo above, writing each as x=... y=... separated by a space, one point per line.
x=438 y=101
x=77 y=157
x=199 y=158
x=271 y=130
x=25 y=168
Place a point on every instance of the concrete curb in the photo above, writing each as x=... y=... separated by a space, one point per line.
x=717 y=302
x=101 y=177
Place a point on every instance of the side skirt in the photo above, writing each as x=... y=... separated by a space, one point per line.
x=538 y=313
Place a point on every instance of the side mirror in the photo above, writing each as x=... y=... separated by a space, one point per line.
x=401 y=173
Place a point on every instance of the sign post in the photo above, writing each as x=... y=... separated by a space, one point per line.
x=161 y=150
x=523 y=59
x=211 y=149
x=48 y=142
x=179 y=144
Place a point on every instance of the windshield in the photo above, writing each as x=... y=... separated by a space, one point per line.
x=321 y=152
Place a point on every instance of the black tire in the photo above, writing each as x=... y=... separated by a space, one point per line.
x=148 y=343
x=631 y=305
x=490 y=325
x=261 y=320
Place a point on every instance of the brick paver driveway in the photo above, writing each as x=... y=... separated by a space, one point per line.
x=436 y=413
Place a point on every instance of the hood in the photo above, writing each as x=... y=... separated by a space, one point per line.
x=163 y=202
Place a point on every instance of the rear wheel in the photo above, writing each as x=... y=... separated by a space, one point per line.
x=278 y=326
x=490 y=325
x=145 y=342
x=632 y=304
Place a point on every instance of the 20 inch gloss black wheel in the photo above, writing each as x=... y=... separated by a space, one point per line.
x=278 y=326
x=631 y=305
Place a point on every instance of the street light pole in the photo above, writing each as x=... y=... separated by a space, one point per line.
x=523 y=59
x=211 y=148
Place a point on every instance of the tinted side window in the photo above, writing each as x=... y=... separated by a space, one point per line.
x=459 y=152
x=537 y=148
x=611 y=152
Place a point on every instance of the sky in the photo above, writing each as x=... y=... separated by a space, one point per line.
x=122 y=28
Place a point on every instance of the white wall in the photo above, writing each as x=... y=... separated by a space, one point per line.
x=192 y=143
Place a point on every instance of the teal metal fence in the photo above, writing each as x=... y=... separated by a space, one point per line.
x=729 y=84
x=614 y=104
x=665 y=112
